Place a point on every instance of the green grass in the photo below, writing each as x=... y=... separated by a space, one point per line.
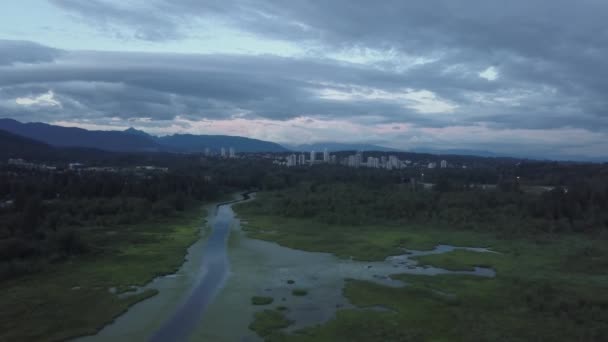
x=372 y=242
x=268 y=321
x=463 y=260
x=259 y=300
x=72 y=298
x=365 y=243
x=536 y=296
x=465 y=308
x=299 y=292
x=547 y=288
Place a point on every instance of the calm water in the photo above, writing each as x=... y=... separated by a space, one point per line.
x=208 y=299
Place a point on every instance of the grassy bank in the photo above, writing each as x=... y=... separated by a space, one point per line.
x=73 y=298
x=372 y=242
x=537 y=295
x=547 y=288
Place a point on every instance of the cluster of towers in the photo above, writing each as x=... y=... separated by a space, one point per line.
x=224 y=153
x=294 y=160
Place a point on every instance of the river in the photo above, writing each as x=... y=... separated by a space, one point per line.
x=209 y=298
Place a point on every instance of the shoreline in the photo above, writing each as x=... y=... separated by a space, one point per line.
x=143 y=319
x=81 y=289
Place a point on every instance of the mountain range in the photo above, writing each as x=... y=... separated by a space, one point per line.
x=17 y=146
x=132 y=140
x=335 y=147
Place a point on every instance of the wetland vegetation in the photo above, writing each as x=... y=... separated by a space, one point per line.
x=75 y=297
x=550 y=265
x=299 y=292
x=75 y=246
x=261 y=300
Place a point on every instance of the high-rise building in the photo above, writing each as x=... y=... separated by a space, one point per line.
x=223 y=152
x=354 y=160
x=432 y=165
x=394 y=162
x=207 y=151
x=291 y=160
x=302 y=159
x=444 y=164
x=325 y=156
x=312 y=157
x=351 y=161
x=373 y=162
x=232 y=153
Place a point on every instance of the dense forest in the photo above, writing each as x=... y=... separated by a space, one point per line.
x=45 y=214
x=48 y=211
x=508 y=209
x=547 y=246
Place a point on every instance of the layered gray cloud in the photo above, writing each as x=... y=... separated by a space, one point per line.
x=534 y=65
x=162 y=86
x=14 y=51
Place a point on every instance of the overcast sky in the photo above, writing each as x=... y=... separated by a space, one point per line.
x=525 y=77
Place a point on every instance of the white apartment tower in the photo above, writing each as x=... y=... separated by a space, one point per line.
x=394 y=162
x=291 y=160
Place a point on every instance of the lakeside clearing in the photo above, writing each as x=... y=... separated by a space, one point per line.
x=79 y=296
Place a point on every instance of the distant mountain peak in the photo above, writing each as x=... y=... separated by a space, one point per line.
x=134 y=140
x=135 y=131
x=60 y=136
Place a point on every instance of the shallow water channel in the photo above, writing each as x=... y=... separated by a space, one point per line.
x=209 y=298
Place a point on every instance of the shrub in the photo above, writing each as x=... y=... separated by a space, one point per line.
x=259 y=300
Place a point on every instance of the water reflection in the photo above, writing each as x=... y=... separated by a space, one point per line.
x=209 y=298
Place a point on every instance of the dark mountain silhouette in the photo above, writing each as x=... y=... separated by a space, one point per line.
x=459 y=152
x=78 y=137
x=335 y=147
x=15 y=146
x=198 y=143
x=133 y=140
x=137 y=132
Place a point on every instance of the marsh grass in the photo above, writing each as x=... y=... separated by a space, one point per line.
x=299 y=292
x=268 y=321
x=259 y=300
x=550 y=287
x=73 y=298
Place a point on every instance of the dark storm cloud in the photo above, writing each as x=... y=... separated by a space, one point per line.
x=534 y=28
x=14 y=51
x=162 y=86
x=553 y=49
x=97 y=85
